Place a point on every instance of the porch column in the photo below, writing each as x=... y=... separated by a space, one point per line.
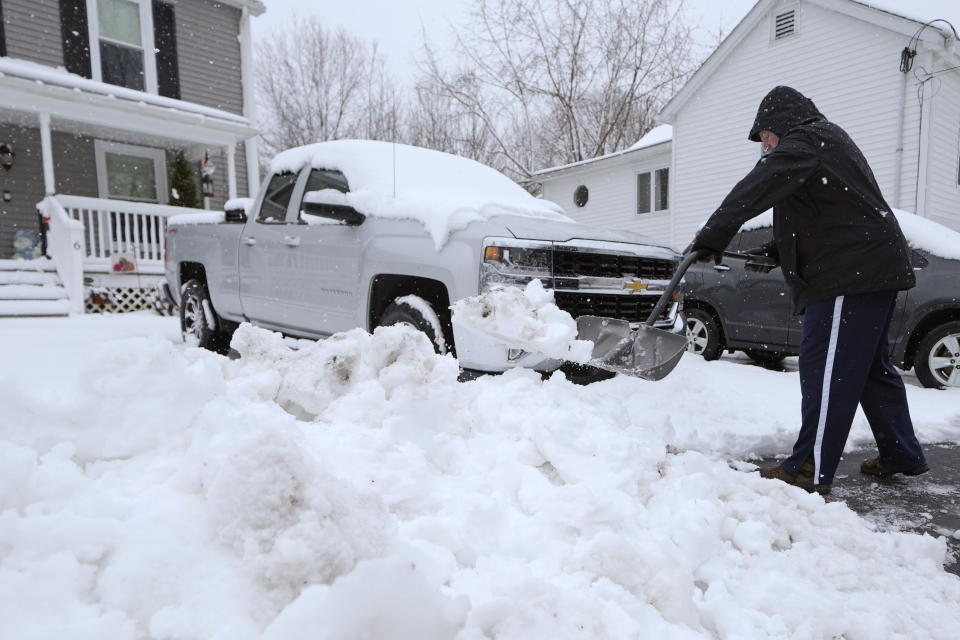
x=249 y=103
x=232 y=171
x=46 y=152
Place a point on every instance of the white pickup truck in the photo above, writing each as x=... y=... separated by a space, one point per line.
x=350 y=234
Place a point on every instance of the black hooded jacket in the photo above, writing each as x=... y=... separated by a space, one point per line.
x=834 y=232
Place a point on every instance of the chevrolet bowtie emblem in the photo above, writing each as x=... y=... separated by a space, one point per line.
x=636 y=286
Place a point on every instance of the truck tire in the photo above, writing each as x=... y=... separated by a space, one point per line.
x=703 y=334
x=937 y=363
x=400 y=312
x=199 y=324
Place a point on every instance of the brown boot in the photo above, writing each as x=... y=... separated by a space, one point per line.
x=873 y=467
x=799 y=480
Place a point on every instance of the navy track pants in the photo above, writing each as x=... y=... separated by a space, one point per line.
x=844 y=361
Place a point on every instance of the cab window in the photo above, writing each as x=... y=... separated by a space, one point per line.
x=277 y=198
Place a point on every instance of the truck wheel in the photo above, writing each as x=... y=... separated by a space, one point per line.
x=407 y=310
x=765 y=358
x=199 y=324
x=937 y=363
x=584 y=374
x=703 y=334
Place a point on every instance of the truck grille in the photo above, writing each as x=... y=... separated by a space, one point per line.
x=600 y=265
x=627 y=307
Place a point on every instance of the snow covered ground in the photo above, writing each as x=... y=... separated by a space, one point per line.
x=355 y=489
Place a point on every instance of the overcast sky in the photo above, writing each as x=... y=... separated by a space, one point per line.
x=396 y=24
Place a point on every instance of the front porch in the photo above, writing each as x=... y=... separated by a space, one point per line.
x=96 y=161
x=108 y=254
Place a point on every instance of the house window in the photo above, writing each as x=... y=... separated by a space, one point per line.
x=129 y=172
x=122 y=43
x=653 y=191
x=580 y=196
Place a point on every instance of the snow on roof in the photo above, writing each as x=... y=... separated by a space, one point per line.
x=443 y=191
x=921 y=11
x=657 y=135
x=921 y=233
x=58 y=76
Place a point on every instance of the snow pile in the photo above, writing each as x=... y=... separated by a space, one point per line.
x=355 y=489
x=525 y=319
x=443 y=191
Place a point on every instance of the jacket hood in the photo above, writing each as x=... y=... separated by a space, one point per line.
x=781 y=110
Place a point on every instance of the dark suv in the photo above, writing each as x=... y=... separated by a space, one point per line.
x=742 y=304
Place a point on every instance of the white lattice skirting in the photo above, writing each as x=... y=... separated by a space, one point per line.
x=121 y=300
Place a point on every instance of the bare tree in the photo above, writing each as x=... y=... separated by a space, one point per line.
x=315 y=84
x=557 y=81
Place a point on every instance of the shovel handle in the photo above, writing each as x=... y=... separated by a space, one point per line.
x=688 y=259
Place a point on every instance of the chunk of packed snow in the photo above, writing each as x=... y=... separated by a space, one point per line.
x=241 y=204
x=525 y=319
x=442 y=191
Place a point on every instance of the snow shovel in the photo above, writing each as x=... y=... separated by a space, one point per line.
x=647 y=352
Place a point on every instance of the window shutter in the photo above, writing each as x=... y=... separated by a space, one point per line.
x=75 y=34
x=3 y=39
x=165 y=42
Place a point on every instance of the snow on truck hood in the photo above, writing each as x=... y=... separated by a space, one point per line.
x=443 y=191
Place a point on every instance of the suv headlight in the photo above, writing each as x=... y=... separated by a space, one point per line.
x=516 y=263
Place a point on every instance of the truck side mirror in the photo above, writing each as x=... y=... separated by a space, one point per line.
x=235 y=215
x=344 y=213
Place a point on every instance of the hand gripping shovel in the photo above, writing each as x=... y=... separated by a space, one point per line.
x=646 y=353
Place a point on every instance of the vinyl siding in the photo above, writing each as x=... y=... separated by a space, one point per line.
x=612 y=201
x=208 y=50
x=943 y=193
x=24 y=181
x=848 y=67
x=32 y=28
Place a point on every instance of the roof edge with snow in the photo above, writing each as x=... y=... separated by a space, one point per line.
x=659 y=135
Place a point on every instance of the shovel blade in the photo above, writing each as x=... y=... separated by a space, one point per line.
x=646 y=352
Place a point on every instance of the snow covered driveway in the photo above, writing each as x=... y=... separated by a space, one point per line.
x=355 y=489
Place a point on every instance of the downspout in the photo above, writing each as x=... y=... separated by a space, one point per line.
x=898 y=159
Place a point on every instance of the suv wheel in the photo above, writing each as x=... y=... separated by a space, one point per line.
x=937 y=362
x=765 y=358
x=405 y=313
x=199 y=324
x=703 y=334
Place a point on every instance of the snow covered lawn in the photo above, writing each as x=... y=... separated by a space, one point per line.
x=355 y=489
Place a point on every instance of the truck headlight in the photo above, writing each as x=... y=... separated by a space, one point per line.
x=516 y=264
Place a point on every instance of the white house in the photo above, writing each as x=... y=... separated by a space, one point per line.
x=847 y=57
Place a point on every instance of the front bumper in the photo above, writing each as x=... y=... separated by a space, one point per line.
x=478 y=351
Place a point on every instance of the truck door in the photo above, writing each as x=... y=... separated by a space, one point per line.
x=265 y=256
x=329 y=253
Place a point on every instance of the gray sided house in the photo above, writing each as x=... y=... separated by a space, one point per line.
x=903 y=111
x=98 y=99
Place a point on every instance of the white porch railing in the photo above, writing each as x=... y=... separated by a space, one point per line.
x=65 y=245
x=121 y=228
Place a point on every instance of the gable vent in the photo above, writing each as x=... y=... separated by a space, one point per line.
x=785 y=24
